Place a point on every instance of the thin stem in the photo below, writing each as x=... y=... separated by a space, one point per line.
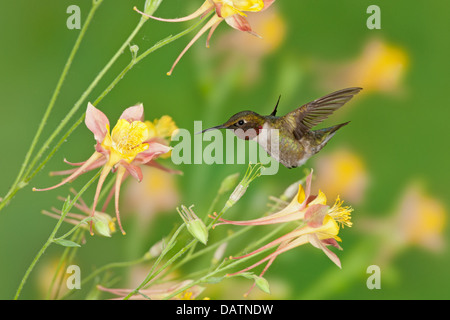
x=136 y=60
x=106 y=267
x=15 y=186
x=52 y=235
x=210 y=274
x=76 y=238
x=153 y=274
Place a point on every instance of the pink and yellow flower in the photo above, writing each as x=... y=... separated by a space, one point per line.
x=232 y=11
x=320 y=227
x=122 y=150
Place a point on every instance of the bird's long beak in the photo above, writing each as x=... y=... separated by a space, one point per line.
x=216 y=127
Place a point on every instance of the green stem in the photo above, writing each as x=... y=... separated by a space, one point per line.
x=16 y=185
x=136 y=60
x=153 y=274
x=106 y=267
x=51 y=238
x=219 y=269
x=76 y=238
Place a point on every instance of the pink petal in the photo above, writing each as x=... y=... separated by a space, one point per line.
x=211 y=31
x=314 y=240
x=96 y=156
x=202 y=11
x=238 y=22
x=94 y=165
x=159 y=166
x=286 y=247
x=314 y=215
x=101 y=180
x=331 y=242
x=119 y=178
x=97 y=122
x=208 y=25
x=134 y=113
x=267 y=4
x=154 y=150
x=135 y=171
x=218 y=6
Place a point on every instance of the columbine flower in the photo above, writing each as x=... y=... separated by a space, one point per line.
x=127 y=146
x=320 y=228
x=232 y=11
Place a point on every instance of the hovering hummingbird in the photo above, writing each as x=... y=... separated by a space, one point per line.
x=297 y=142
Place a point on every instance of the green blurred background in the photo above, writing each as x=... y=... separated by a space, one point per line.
x=390 y=163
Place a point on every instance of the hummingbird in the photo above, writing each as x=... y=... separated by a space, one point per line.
x=297 y=142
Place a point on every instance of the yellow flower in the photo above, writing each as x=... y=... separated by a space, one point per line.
x=343 y=172
x=420 y=220
x=126 y=141
x=162 y=130
x=232 y=11
x=164 y=127
x=380 y=67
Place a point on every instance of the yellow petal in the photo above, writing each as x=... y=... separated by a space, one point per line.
x=127 y=139
x=165 y=127
x=301 y=194
x=249 y=5
x=320 y=199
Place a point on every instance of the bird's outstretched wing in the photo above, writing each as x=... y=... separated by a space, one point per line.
x=314 y=112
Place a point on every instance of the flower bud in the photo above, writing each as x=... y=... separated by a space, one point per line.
x=228 y=183
x=104 y=224
x=195 y=226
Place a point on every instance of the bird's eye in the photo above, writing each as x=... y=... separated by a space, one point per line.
x=241 y=122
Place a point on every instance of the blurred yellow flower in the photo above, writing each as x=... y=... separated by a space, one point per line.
x=158 y=192
x=420 y=219
x=380 y=67
x=164 y=128
x=342 y=172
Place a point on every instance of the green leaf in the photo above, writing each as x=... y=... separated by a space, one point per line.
x=66 y=205
x=66 y=243
x=262 y=283
x=213 y=280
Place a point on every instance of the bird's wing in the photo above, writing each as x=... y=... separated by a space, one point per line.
x=314 y=112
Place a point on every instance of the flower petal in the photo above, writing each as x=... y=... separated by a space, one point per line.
x=267 y=4
x=315 y=215
x=314 y=240
x=154 y=150
x=239 y=22
x=159 y=166
x=202 y=11
x=134 y=113
x=97 y=122
x=135 y=171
